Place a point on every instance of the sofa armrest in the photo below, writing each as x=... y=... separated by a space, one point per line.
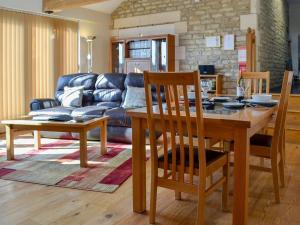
x=43 y=103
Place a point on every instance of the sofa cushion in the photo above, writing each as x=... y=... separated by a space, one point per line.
x=108 y=95
x=134 y=80
x=72 y=96
x=137 y=80
x=63 y=81
x=59 y=110
x=109 y=88
x=96 y=111
x=135 y=97
x=88 y=97
x=110 y=81
x=86 y=80
x=118 y=117
x=109 y=104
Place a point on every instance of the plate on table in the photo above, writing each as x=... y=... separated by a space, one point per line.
x=221 y=99
x=233 y=105
x=269 y=103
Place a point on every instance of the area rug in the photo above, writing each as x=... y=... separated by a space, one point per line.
x=57 y=164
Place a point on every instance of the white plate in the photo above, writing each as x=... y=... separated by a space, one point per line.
x=269 y=103
x=221 y=98
x=233 y=105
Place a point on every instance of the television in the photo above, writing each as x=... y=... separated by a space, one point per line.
x=207 y=69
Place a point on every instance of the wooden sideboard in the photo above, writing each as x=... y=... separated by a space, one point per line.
x=152 y=53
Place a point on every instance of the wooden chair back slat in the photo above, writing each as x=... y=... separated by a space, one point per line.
x=170 y=100
x=282 y=111
x=175 y=120
x=255 y=80
x=190 y=134
x=180 y=134
x=164 y=131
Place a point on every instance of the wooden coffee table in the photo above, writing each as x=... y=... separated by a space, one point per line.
x=82 y=128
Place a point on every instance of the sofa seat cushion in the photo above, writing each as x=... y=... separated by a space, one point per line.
x=55 y=111
x=109 y=104
x=96 y=111
x=118 y=117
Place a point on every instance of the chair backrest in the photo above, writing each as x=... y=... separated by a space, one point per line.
x=176 y=120
x=254 y=82
x=282 y=110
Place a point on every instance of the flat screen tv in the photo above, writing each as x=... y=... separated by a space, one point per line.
x=207 y=69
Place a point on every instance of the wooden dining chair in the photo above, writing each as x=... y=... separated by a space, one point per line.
x=270 y=146
x=254 y=82
x=177 y=164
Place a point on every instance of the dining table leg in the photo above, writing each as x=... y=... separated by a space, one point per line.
x=241 y=176
x=138 y=165
x=37 y=139
x=83 y=149
x=10 y=143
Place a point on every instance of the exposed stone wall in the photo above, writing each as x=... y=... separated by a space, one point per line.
x=273 y=31
x=204 y=18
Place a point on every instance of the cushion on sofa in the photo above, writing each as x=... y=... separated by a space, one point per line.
x=109 y=88
x=87 y=80
x=118 y=117
x=88 y=97
x=108 y=95
x=110 y=81
x=59 y=110
x=63 y=81
x=135 y=97
x=137 y=80
x=72 y=96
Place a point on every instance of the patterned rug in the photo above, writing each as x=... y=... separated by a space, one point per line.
x=57 y=164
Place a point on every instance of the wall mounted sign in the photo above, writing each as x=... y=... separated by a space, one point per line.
x=229 y=42
x=213 y=42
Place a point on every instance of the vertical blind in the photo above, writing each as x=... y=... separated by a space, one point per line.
x=34 y=51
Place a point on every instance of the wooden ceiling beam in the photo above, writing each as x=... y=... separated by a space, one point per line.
x=58 y=5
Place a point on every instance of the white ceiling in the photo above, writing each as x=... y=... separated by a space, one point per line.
x=105 y=7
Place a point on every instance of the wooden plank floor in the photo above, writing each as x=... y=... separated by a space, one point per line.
x=29 y=204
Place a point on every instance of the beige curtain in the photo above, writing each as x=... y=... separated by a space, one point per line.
x=34 y=51
x=12 y=65
x=66 y=47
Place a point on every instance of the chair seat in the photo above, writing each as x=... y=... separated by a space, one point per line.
x=211 y=156
x=261 y=140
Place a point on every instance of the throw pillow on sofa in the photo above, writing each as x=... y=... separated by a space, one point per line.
x=135 y=97
x=72 y=96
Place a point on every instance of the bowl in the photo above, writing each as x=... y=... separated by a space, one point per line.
x=262 y=97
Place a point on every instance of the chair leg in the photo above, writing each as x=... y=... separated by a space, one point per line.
x=201 y=208
x=283 y=146
x=177 y=193
x=225 y=191
x=275 y=180
x=281 y=162
x=281 y=172
x=153 y=198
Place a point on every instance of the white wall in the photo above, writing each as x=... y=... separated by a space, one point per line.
x=97 y=24
x=28 y=5
x=294 y=35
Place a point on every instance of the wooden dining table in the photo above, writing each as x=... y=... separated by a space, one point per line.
x=238 y=126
